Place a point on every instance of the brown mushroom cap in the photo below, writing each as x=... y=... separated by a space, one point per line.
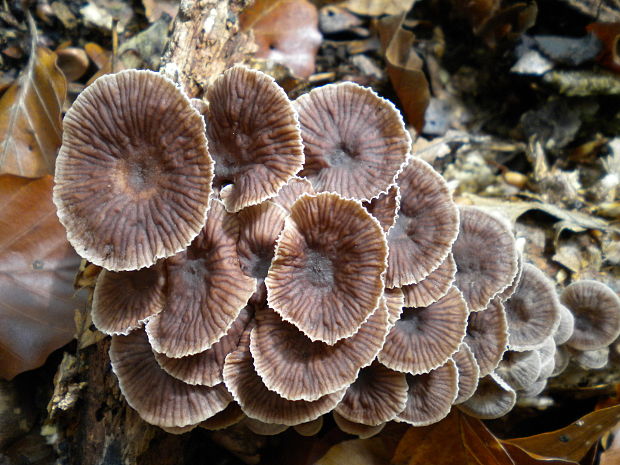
x=206 y=367
x=262 y=428
x=262 y=404
x=309 y=428
x=424 y=338
x=377 y=396
x=566 y=326
x=485 y=255
x=395 y=301
x=433 y=287
x=385 y=207
x=254 y=137
x=297 y=368
x=493 y=399
x=355 y=142
x=350 y=427
x=291 y=191
x=123 y=300
x=159 y=398
x=430 y=395
x=469 y=372
x=533 y=311
x=133 y=176
x=596 y=309
x=231 y=415
x=506 y=293
x=487 y=336
x=520 y=369
x=326 y=277
x=426 y=226
x=206 y=290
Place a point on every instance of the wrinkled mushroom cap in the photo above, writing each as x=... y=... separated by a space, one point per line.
x=566 y=326
x=493 y=399
x=469 y=372
x=358 y=429
x=326 y=276
x=254 y=137
x=355 y=142
x=433 y=287
x=385 y=207
x=520 y=369
x=596 y=309
x=133 y=176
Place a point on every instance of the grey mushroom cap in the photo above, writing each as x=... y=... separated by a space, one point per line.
x=433 y=287
x=520 y=369
x=590 y=359
x=486 y=257
x=535 y=389
x=133 y=175
x=562 y=359
x=596 y=309
x=547 y=358
x=533 y=311
x=566 y=326
x=385 y=207
x=493 y=399
x=469 y=372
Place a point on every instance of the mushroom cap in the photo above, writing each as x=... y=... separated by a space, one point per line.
x=485 y=255
x=254 y=137
x=424 y=338
x=297 y=368
x=326 y=276
x=487 y=336
x=562 y=359
x=291 y=191
x=430 y=395
x=426 y=227
x=506 y=293
x=377 y=396
x=355 y=142
x=206 y=367
x=262 y=428
x=590 y=359
x=309 y=428
x=262 y=404
x=596 y=309
x=206 y=290
x=350 y=427
x=385 y=207
x=520 y=369
x=123 y=300
x=469 y=372
x=433 y=287
x=133 y=175
x=395 y=301
x=566 y=326
x=231 y=415
x=493 y=399
x=533 y=311
x=159 y=398
x=547 y=358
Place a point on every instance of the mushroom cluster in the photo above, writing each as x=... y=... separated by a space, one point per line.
x=274 y=261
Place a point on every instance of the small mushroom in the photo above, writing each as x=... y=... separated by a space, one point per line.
x=424 y=338
x=385 y=207
x=309 y=428
x=359 y=430
x=159 y=398
x=254 y=137
x=485 y=255
x=430 y=395
x=355 y=142
x=533 y=311
x=562 y=359
x=493 y=399
x=590 y=359
x=566 y=326
x=291 y=191
x=133 y=175
x=123 y=300
x=262 y=428
x=433 y=287
x=469 y=372
x=426 y=226
x=231 y=415
x=596 y=309
x=326 y=276
x=520 y=369
x=547 y=358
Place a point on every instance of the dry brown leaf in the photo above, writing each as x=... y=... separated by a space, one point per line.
x=30 y=123
x=378 y=7
x=286 y=31
x=37 y=266
x=573 y=442
x=404 y=68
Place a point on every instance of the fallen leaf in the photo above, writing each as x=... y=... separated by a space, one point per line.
x=574 y=441
x=30 y=123
x=154 y=9
x=37 y=267
x=404 y=68
x=378 y=7
x=286 y=31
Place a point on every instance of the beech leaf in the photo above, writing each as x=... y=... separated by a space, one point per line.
x=574 y=441
x=37 y=267
x=30 y=115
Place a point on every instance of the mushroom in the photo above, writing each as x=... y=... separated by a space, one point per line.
x=433 y=287
x=133 y=175
x=469 y=372
x=430 y=395
x=385 y=207
x=296 y=368
x=424 y=338
x=566 y=326
x=533 y=311
x=262 y=428
x=231 y=415
x=485 y=255
x=590 y=359
x=309 y=428
x=355 y=142
x=493 y=399
x=254 y=137
x=596 y=309
x=326 y=276
x=263 y=404
x=123 y=300
x=426 y=226
x=520 y=369
x=159 y=398
x=487 y=336
x=206 y=290
x=351 y=427
x=291 y=191
x=562 y=359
